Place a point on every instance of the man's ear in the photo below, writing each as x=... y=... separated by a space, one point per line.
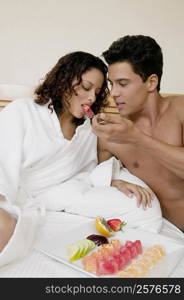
x=152 y=82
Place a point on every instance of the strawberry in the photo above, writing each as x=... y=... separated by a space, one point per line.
x=116 y=224
x=88 y=111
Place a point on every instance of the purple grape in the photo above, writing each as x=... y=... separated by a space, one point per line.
x=98 y=239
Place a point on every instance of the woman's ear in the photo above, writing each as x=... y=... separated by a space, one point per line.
x=152 y=82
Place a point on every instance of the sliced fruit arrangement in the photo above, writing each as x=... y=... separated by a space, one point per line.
x=98 y=239
x=112 y=257
x=142 y=266
x=80 y=249
x=108 y=227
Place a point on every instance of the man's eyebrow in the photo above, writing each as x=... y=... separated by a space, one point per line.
x=119 y=79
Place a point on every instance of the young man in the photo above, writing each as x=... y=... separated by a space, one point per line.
x=148 y=137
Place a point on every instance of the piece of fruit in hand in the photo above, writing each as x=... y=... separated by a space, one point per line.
x=88 y=111
x=80 y=249
x=116 y=224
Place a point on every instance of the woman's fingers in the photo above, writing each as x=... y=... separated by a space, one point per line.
x=144 y=199
x=138 y=196
x=126 y=191
x=143 y=195
x=122 y=187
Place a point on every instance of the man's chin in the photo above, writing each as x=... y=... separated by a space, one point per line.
x=123 y=114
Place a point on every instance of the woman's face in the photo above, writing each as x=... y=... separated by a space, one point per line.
x=86 y=92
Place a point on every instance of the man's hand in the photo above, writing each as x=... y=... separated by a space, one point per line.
x=144 y=195
x=7 y=226
x=114 y=129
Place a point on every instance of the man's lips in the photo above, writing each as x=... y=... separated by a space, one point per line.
x=120 y=105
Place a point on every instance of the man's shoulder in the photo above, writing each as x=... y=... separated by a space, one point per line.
x=173 y=97
x=177 y=100
x=177 y=103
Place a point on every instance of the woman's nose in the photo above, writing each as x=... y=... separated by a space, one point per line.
x=92 y=98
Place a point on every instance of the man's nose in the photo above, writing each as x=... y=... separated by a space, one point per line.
x=114 y=92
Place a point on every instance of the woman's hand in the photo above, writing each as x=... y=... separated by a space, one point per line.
x=144 y=195
x=7 y=226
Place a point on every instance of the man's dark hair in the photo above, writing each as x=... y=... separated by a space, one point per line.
x=142 y=52
x=58 y=83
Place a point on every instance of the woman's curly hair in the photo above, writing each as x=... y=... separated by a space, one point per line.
x=58 y=83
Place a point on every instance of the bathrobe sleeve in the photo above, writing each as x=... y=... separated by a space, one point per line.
x=12 y=132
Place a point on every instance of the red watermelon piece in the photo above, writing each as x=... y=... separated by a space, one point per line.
x=124 y=251
x=138 y=245
x=106 y=266
x=133 y=251
x=120 y=260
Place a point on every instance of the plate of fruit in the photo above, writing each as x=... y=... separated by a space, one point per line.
x=108 y=248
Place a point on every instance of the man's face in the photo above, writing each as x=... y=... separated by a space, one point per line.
x=127 y=88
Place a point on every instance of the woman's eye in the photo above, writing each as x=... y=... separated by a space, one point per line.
x=86 y=88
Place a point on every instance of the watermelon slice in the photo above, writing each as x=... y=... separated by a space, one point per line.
x=106 y=266
x=138 y=245
x=133 y=251
x=126 y=254
x=120 y=260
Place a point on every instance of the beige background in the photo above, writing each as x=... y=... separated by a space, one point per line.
x=35 y=34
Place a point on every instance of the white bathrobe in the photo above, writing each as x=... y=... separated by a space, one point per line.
x=41 y=172
x=34 y=158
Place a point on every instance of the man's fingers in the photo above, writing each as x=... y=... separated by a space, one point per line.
x=108 y=119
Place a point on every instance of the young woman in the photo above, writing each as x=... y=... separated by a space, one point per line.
x=46 y=140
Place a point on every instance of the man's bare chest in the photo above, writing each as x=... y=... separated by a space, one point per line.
x=139 y=161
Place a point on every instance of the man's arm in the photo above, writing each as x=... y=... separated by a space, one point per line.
x=122 y=131
x=103 y=153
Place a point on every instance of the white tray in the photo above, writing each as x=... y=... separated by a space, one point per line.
x=55 y=245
